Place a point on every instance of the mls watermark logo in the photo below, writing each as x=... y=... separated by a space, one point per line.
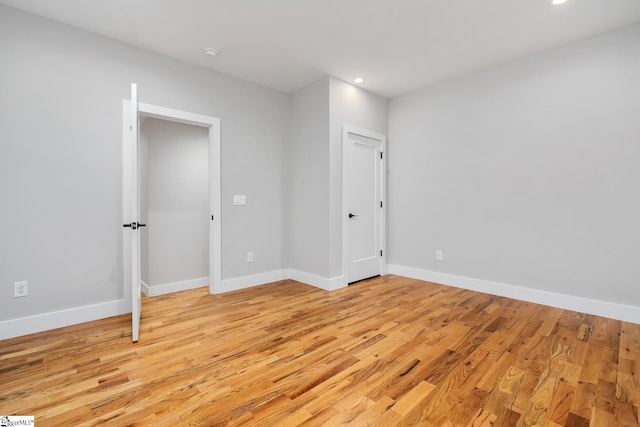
x=10 y=421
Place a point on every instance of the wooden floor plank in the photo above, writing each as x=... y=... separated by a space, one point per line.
x=388 y=351
x=561 y=404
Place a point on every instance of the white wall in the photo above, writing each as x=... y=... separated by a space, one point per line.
x=60 y=161
x=308 y=180
x=525 y=174
x=178 y=202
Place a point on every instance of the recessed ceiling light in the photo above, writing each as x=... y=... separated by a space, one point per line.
x=358 y=80
x=558 y=1
x=210 y=51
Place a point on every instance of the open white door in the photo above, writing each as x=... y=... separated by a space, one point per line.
x=362 y=203
x=131 y=213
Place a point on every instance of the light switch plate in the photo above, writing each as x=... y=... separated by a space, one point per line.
x=239 y=200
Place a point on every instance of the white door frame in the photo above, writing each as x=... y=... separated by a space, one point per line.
x=213 y=125
x=346 y=130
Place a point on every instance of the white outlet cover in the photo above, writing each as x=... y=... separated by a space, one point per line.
x=20 y=289
x=239 y=200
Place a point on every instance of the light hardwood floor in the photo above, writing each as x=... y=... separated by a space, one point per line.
x=386 y=351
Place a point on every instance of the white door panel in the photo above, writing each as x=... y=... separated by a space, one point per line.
x=136 y=291
x=362 y=201
x=131 y=210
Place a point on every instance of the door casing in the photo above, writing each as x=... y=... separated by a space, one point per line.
x=213 y=125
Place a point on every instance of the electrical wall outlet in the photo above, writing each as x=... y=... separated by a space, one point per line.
x=20 y=289
x=439 y=256
x=249 y=256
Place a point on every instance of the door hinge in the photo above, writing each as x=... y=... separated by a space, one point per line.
x=381 y=155
x=380 y=253
x=381 y=204
x=211 y=217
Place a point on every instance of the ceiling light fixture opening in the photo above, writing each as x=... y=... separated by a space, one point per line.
x=558 y=1
x=358 y=80
x=210 y=51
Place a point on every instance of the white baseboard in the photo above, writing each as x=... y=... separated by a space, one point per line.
x=144 y=288
x=59 y=319
x=47 y=321
x=274 y=276
x=318 y=281
x=568 y=302
x=169 y=288
x=237 y=283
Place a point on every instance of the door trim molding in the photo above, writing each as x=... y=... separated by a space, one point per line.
x=346 y=130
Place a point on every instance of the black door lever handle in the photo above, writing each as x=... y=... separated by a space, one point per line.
x=352 y=215
x=134 y=225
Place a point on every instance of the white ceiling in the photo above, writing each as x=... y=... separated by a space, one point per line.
x=397 y=45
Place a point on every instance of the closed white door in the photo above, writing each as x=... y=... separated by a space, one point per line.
x=362 y=157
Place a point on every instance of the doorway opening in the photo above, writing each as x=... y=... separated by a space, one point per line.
x=174 y=205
